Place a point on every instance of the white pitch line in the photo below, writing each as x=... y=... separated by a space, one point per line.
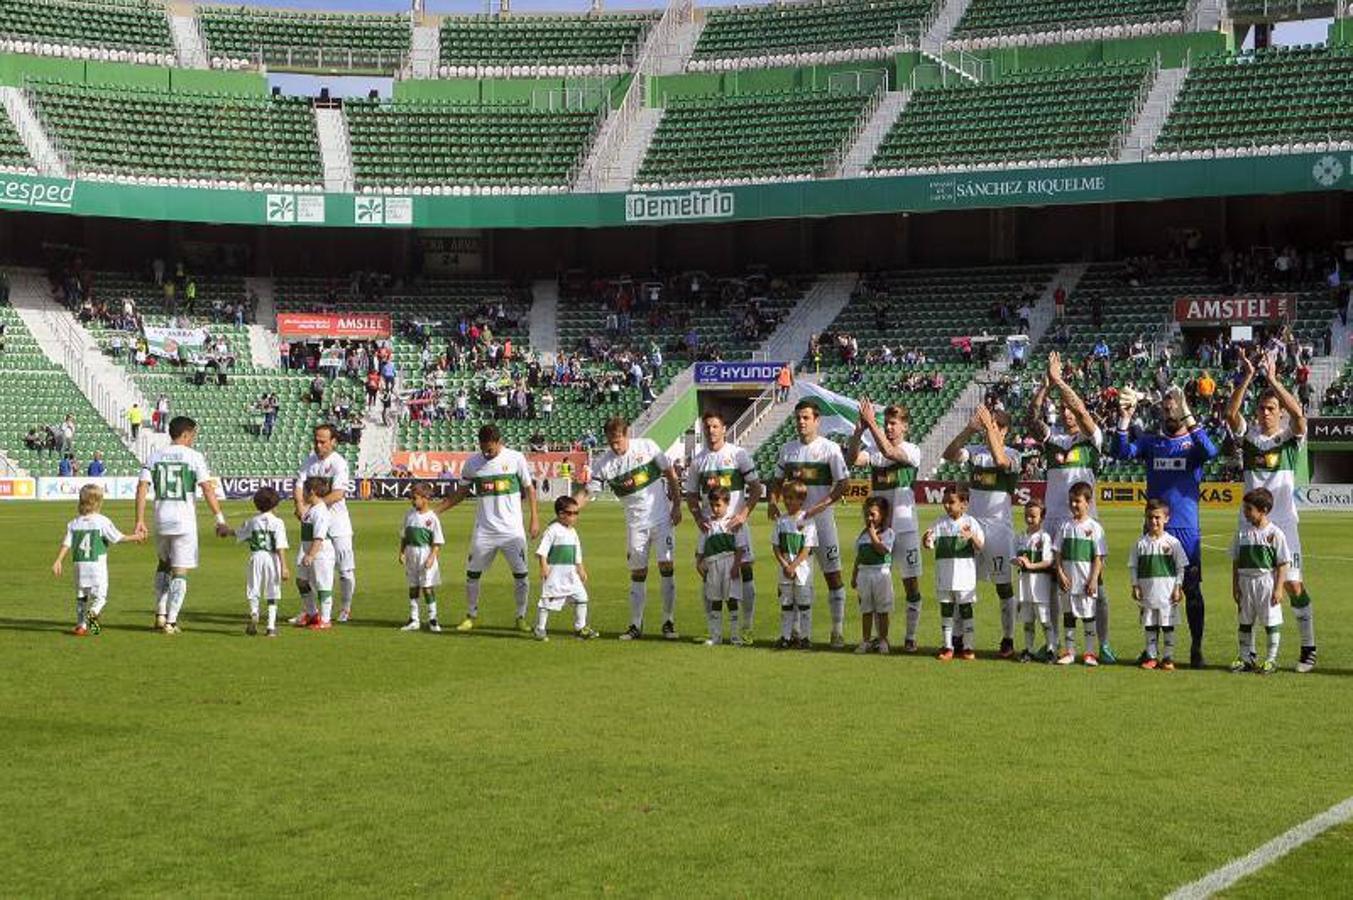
x=1269 y=853
x=1227 y=549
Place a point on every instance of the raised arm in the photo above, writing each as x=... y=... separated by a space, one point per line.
x=890 y=450
x=1037 y=427
x=995 y=441
x=1069 y=396
x=1296 y=415
x=954 y=452
x=1234 y=421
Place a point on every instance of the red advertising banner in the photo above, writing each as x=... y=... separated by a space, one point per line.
x=1235 y=310
x=333 y=325
x=447 y=464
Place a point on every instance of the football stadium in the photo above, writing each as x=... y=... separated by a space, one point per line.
x=806 y=448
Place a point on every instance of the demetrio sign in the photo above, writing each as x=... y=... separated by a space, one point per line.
x=809 y=198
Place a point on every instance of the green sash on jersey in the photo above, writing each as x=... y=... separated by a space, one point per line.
x=1081 y=455
x=720 y=543
x=87 y=545
x=497 y=485
x=262 y=540
x=726 y=478
x=1279 y=458
x=1156 y=565
x=1257 y=556
x=636 y=479
x=868 y=556
x=562 y=555
x=813 y=474
x=994 y=479
x=890 y=478
x=173 y=480
x=1078 y=549
x=1034 y=552
x=791 y=543
x=953 y=546
x=307 y=531
x=417 y=536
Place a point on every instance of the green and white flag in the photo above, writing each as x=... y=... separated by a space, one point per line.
x=839 y=413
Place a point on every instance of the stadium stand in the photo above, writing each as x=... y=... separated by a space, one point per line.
x=208 y=140
x=771 y=34
x=765 y=136
x=1273 y=101
x=305 y=40
x=1003 y=23
x=547 y=45
x=13 y=154
x=414 y=144
x=1069 y=115
x=914 y=313
x=38 y=397
x=116 y=30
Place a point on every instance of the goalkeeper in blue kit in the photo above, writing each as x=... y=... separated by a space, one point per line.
x=1174 y=461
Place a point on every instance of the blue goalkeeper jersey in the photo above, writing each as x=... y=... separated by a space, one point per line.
x=1174 y=470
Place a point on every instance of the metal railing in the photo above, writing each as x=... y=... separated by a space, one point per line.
x=318 y=58
x=836 y=159
x=1061 y=32
x=93 y=385
x=752 y=416
x=44 y=132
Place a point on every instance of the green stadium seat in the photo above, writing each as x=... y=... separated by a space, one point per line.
x=286 y=40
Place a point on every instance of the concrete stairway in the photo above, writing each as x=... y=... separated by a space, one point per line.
x=64 y=341
x=875 y=130
x=189 y=49
x=335 y=150
x=619 y=172
x=425 y=51
x=543 y=333
x=1164 y=93
x=264 y=346
x=42 y=149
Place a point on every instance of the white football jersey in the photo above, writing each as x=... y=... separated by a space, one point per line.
x=317 y=525
x=894 y=481
x=563 y=552
x=335 y=468
x=264 y=533
x=422 y=529
x=730 y=466
x=819 y=464
x=497 y=485
x=88 y=537
x=174 y=474
x=956 y=555
x=990 y=486
x=1069 y=459
x=1270 y=462
x=636 y=478
x=1156 y=565
x=1078 y=543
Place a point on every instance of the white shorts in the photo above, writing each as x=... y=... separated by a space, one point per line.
x=720 y=578
x=1160 y=617
x=344 y=559
x=1030 y=611
x=794 y=594
x=655 y=540
x=875 y=587
x=179 y=549
x=262 y=579
x=483 y=549
x=963 y=598
x=993 y=560
x=1256 y=602
x=1035 y=588
x=828 y=544
x=555 y=604
x=1082 y=606
x=320 y=575
x=1293 y=535
x=907 y=554
x=415 y=571
x=91 y=589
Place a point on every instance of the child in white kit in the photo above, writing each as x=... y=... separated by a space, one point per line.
x=1080 y=551
x=1156 y=568
x=563 y=577
x=793 y=541
x=718 y=559
x=956 y=538
x=420 y=548
x=266 y=569
x=87 y=538
x=872 y=576
x=1034 y=589
x=1260 y=557
x=315 y=564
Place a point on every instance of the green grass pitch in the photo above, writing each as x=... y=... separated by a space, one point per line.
x=369 y=761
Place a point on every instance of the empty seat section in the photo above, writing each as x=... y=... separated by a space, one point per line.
x=1281 y=96
x=985 y=18
x=133 y=25
x=749 y=136
x=283 y=39
x=547 y=40
x=1072 y=113
x=13 y=153
x=410 y=144
x=810 y=26
x=234 y=138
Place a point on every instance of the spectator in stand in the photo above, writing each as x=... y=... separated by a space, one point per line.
x=1206 y=388
x=1059 y=302
x=1102 y=356
x=66 y=467
x=135 y=416
x=316 y=392
x=783 y=383
x=68 y=434
x=162 y=408
x=388 y=373
x=96 y=468
x=270 y=408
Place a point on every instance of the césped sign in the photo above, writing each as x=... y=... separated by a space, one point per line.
x=18 y=192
